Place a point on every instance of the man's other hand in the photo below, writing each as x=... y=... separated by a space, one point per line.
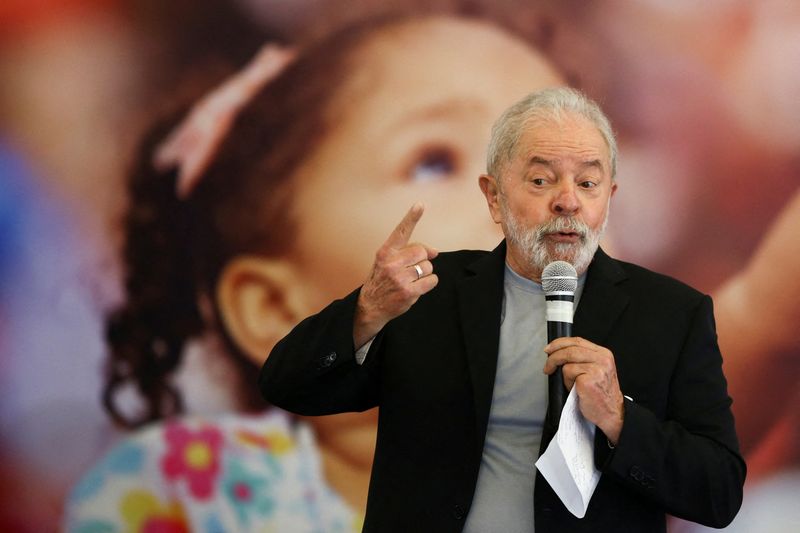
x=591 y=369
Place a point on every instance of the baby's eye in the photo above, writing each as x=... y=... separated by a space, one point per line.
x=434 y=164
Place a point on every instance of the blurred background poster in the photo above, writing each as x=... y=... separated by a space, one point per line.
x=704 y=97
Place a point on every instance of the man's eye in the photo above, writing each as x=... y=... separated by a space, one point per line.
x=435 y=164
x=538 y=181
x=587 y=184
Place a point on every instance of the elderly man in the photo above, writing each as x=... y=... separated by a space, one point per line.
x=453 y=349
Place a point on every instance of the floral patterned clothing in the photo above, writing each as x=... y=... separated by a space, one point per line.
x=258 y=473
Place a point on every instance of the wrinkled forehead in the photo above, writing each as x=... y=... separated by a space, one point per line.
x=563 y=135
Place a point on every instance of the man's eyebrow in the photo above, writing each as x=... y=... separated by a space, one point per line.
x=539 y=160
x=593 y=163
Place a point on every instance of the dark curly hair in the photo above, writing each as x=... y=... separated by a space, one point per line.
x=175 y=249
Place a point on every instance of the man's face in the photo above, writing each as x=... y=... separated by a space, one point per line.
x=553 y=196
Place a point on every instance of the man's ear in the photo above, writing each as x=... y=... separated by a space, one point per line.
x=490 y=190
x=260 y=300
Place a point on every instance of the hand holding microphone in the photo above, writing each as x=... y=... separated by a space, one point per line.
x=574 y=361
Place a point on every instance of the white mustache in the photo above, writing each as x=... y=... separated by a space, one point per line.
x=562 y=224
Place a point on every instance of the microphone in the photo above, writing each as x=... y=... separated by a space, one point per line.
x=559 y=281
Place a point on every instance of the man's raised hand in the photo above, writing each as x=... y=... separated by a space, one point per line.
x=401 y=273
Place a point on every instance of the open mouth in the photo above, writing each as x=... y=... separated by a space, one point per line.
x=565 y=236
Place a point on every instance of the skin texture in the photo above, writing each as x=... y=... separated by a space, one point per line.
x=395 y=283
x=560 y=170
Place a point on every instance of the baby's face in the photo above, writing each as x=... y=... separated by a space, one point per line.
x=415 y=126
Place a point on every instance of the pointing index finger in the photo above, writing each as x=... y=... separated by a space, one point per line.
x=402 y=233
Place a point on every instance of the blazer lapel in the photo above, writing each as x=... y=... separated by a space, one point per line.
x=480 y=298
x=602 y=300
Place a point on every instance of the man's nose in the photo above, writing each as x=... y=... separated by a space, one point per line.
x=566 y=200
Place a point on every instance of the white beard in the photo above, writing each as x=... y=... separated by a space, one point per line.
x=538 y=252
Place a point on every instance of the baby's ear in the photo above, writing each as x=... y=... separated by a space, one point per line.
x=260 y=300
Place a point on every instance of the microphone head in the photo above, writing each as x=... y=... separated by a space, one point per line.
x=559 y=276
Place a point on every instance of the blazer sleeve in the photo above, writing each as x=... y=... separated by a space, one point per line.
x=689 y=463
x=313 y=370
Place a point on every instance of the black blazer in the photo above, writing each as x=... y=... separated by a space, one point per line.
x=432 y=372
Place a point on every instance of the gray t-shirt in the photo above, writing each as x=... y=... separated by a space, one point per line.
x=503 y=499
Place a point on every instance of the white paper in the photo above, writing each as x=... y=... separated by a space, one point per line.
x=568 y=463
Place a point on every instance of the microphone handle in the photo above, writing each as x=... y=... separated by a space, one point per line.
x=556 y=391
x=556 y=330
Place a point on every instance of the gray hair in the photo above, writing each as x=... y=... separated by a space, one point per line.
x=548 y=104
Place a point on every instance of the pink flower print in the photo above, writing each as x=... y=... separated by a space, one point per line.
x=194 y=456
x=242 y=492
